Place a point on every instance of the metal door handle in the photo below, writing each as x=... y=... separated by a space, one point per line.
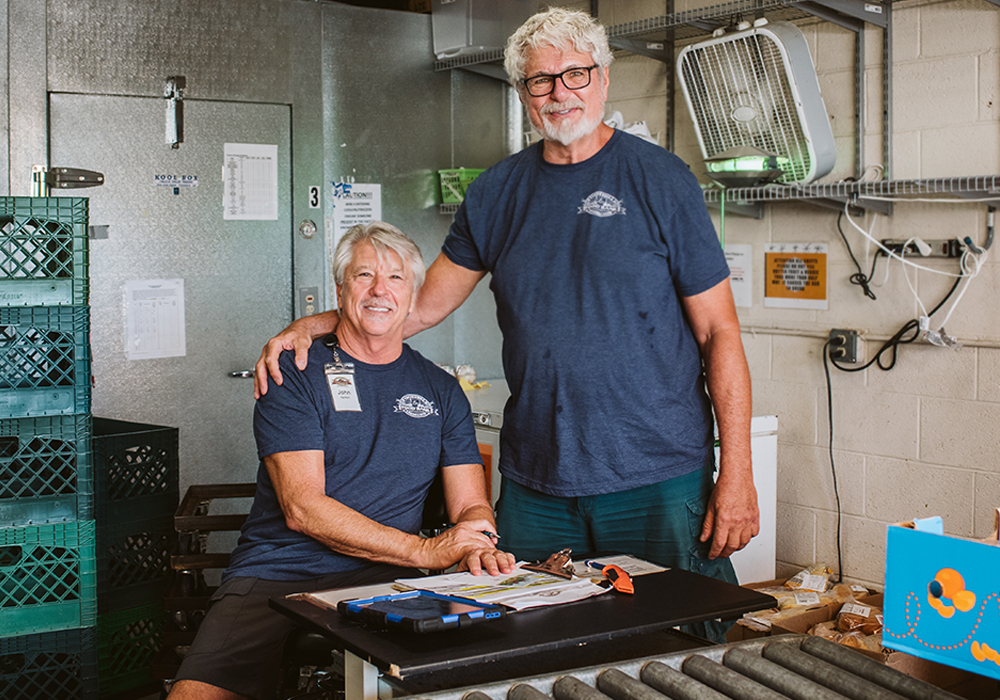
x=242 y=374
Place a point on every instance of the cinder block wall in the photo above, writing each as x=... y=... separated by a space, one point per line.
x=921 y=439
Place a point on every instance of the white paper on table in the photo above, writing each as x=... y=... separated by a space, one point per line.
x=633 y=566
x=520 y=589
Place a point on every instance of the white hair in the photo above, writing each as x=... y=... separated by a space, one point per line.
x=558 y=27
x=383 y=237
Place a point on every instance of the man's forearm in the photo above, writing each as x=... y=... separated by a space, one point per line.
x=348 y=532
x=319 y=324
x=728 y=379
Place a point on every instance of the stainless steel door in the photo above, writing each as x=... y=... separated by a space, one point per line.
x=237 y=274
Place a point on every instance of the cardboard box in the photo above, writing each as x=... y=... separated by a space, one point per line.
x=740 y=632
x=942 y=598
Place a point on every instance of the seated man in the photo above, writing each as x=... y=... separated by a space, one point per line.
x=348 y=448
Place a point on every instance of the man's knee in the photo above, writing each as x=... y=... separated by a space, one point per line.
x=196 y=690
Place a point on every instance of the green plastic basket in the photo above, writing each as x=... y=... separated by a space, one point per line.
x=44 y=360
x=48 y=578
x=44 y=251
x=454 y=182
x=46 y=470
x=50 y=665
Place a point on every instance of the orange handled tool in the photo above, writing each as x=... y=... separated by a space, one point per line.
x=619 y=578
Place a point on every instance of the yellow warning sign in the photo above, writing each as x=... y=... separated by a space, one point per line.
x=795 y=275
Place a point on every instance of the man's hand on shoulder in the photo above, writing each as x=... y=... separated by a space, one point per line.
x=298 y=337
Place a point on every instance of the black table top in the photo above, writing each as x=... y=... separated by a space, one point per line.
x=661 y=600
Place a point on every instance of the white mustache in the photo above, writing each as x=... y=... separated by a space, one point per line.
x=575 y=103
x=379 y=302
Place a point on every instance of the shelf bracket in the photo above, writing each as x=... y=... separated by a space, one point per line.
x=657 y=50
x=849 y=14
x=490 y=70
x=751 y=210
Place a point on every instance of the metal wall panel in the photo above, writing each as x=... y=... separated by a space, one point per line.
x=227 y=49
x=237 y=274
x=4 y=103
x=391 y=119
x=26 y=44
x=387 y=121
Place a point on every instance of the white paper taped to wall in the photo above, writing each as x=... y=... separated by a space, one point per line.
x=250 y=182
x=154 y=319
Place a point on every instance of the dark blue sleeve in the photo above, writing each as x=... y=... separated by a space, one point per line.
x=697 y=261
x=458 y=432
x=288 y=418
x=459 y=246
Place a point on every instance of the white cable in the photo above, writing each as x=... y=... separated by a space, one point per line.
x=978 y=261
x=847 y=215
x=906 y=276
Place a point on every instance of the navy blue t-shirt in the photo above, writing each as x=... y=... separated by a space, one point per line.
x=589 y=264
x=414 y=419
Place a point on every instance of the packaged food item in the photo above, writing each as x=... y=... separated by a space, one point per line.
x=854 y=616
x=815 y=578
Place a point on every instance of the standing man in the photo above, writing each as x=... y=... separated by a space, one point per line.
x=349 y=448
x=614 y=303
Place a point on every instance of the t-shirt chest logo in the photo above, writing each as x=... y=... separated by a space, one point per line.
x=415 y=406
x=601 y=204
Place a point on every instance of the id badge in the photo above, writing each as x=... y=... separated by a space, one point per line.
x=343 y=390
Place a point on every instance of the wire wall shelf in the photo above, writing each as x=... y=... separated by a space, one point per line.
x=691 y=24
x=749 y=201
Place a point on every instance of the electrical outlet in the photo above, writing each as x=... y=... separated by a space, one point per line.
x=940 y=248
x=844 y=345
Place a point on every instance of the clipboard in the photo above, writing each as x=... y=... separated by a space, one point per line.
x=420 y=611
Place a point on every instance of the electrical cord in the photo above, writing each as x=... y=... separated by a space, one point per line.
x=859 y=278
x=833 y=465
x=898 y=338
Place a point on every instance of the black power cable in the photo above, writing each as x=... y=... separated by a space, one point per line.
x=859 y=278
x=891 y=345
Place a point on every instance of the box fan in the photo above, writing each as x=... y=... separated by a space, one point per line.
x=757 y=88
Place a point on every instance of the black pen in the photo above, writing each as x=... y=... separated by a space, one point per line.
x=491 y=535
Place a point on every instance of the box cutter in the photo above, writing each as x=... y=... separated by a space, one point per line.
x=618 y=577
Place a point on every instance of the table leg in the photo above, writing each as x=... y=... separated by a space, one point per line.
x=360 y=678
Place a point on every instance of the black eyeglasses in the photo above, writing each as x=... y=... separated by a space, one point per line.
x=573 y=79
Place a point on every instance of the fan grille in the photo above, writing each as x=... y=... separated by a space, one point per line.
x=740 y=95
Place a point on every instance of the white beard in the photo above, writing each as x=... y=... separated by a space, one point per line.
x=568 y=133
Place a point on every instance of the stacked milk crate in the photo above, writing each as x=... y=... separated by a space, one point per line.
x=48 y=569
x=136 y=496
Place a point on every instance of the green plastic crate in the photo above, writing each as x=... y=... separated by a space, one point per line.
x=48 y=578
x=49 y=666
x=44 y=249
x=46 y=470
x=454 y=182
x=127 y=643
x=44 y=360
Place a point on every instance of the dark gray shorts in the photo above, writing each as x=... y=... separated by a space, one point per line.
x=239 y=644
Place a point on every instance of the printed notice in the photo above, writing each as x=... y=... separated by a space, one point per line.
x=740 y=258
x=795 y=275
x=250 y=178
x=154 y=319
x=353 y=204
